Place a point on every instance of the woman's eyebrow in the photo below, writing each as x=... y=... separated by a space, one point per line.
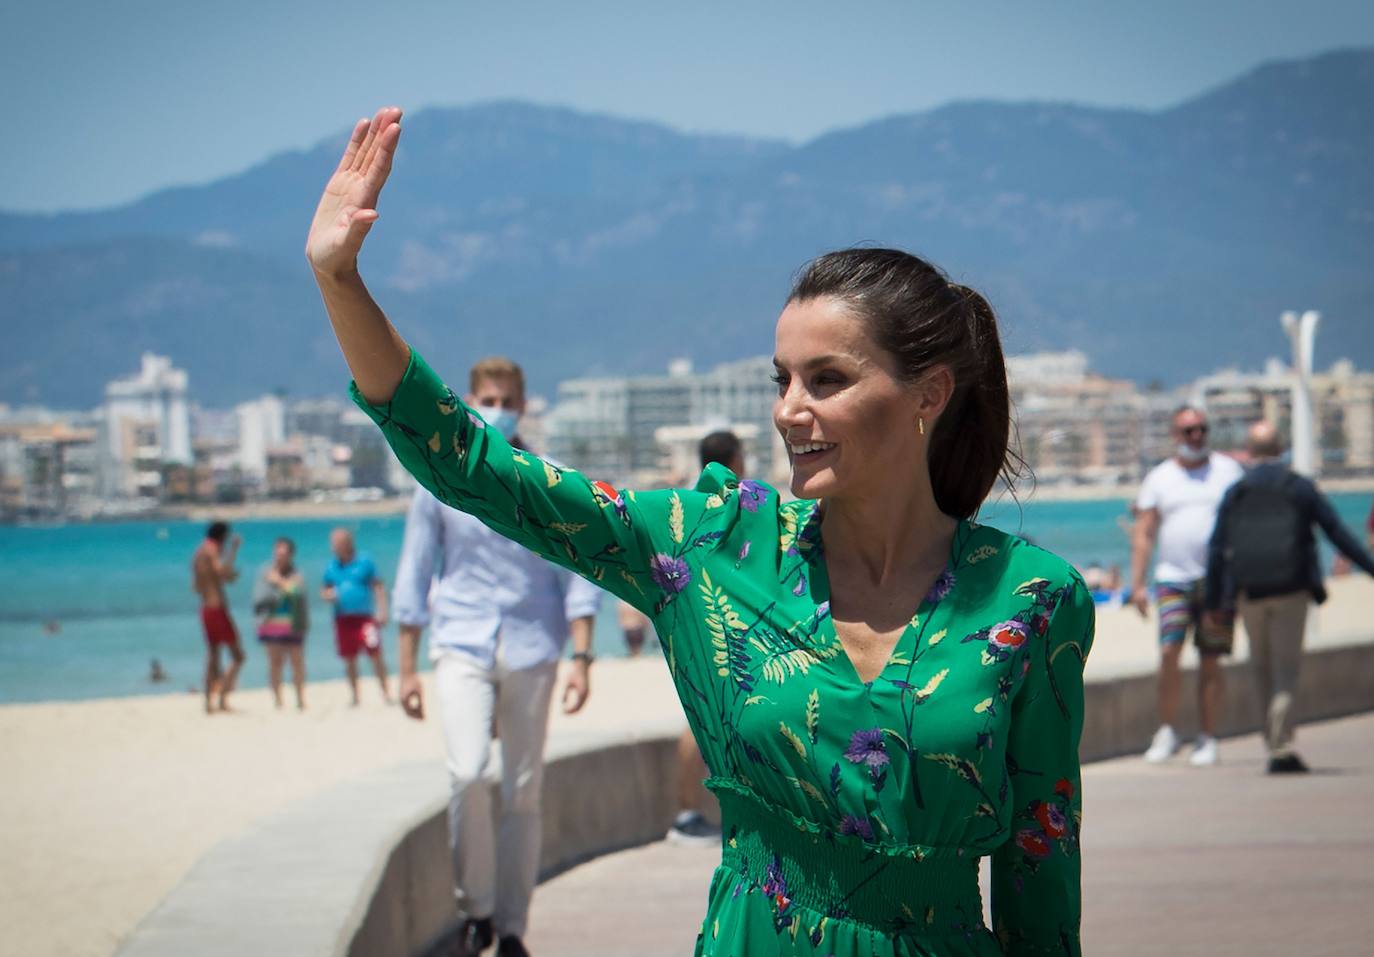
x=812 y=362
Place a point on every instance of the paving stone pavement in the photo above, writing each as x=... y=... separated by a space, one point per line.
x=1178 y=861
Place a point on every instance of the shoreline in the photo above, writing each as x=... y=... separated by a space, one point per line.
x=397 y=505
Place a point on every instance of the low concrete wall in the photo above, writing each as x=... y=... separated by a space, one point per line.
x=600 y=796
x=1122 y=713
x=364 y=871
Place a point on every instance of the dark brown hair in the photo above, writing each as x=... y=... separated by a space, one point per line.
x=922 y=319
x=723 y=447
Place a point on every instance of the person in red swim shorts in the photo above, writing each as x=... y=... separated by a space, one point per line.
x=212 y=567
x=353 y=587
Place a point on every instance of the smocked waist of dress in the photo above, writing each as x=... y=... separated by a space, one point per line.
x=896 y=890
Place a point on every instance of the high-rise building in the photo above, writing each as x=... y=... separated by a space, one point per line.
x=262 y=427
x=146 y=424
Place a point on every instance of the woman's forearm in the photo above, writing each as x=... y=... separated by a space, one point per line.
x=375 y=352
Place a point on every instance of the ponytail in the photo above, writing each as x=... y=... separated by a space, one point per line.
x=969 y=446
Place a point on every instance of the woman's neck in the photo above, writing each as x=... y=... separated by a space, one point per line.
x=884 y=538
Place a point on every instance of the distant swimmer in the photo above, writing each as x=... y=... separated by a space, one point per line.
x=51 y=627
x=212 y=566
x=155 y=673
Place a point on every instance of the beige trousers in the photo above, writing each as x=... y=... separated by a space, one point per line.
x=1275 y=627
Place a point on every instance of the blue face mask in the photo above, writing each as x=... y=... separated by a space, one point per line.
x=502 y=420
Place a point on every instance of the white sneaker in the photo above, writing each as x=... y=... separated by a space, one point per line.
x=1204 y=752
x=1163 y=745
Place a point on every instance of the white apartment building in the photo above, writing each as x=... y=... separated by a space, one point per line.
x=146 y=424
x=261 y=427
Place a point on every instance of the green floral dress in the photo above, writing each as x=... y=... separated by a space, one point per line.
x=854 y=813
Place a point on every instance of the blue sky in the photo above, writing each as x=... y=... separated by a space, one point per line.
x=108 y=101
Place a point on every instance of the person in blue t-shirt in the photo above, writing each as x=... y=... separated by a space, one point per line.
x=353 y=587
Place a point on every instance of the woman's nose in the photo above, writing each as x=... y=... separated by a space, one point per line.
x=791 y=407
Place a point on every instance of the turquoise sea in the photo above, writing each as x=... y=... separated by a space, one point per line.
x=119 y=594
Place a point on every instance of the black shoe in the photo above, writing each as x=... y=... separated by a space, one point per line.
x=1287 y=764
x=473 y=937
x=691 y=829
x=511 y=947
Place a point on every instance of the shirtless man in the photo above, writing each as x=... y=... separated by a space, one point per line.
x=212 y=566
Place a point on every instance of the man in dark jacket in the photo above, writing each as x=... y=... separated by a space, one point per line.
x=1263 y=559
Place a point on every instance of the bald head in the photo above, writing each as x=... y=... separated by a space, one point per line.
x=341 y=544
x=1263 y=441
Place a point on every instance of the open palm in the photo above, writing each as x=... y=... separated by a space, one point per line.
x=348 y=207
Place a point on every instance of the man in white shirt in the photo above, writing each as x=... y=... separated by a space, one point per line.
x=1176 y=510
x=499 y=617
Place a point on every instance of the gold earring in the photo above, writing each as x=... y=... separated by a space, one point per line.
x=921 y=425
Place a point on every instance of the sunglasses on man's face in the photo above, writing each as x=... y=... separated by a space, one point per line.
x=1191 y=430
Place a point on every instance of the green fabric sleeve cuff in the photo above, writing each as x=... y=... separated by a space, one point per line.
x=419 y=382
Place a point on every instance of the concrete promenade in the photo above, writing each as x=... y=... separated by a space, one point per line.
x=1178 y=861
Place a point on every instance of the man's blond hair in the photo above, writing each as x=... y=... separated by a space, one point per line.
x=500 y=368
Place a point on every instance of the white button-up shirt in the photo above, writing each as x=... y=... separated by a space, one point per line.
x=493 y=598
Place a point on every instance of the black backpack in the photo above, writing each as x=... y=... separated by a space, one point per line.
x=1268 y=537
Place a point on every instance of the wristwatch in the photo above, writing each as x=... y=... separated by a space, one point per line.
x=586 y=656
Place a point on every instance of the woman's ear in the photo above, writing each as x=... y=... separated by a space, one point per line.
x=933 y=391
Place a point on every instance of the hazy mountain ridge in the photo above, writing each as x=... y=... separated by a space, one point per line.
x=616 y=244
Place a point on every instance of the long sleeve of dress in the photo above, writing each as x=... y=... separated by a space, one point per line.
x=1035 y=874
x=627 y=543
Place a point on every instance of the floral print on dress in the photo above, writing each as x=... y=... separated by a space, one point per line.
x=669 y=573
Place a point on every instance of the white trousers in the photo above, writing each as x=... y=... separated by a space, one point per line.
x=494 y=868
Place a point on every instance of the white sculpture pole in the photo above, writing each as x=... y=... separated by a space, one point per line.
x=1302 y=331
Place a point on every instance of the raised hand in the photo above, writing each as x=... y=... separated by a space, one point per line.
x=348 y=207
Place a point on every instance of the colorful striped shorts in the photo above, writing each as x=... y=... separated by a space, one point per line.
x=1180 y=612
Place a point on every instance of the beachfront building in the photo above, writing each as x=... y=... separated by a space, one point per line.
x=1348 y=446
x=261 y=427
x=1073 y=425
x=305 y=464
x=608 y=427
x=47 y=469
x=145 y=426
x=1156 y=425
x=1343 y=405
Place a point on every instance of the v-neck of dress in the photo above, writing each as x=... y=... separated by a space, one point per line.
x=820 y=591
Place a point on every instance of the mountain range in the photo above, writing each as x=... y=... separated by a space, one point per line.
x=1164 y=244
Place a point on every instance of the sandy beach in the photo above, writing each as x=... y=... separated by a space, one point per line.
x=109 y=802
